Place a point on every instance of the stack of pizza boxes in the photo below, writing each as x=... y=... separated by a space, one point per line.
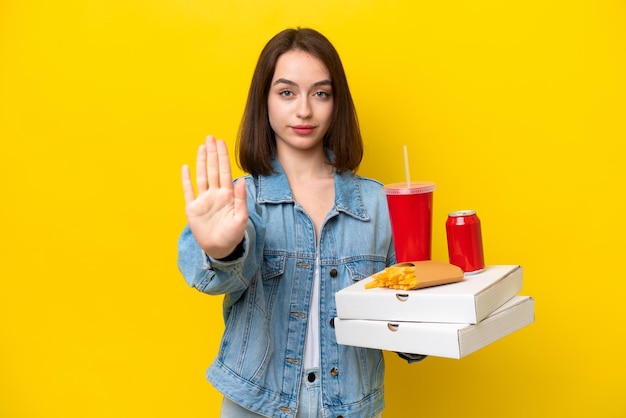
x=448 y=315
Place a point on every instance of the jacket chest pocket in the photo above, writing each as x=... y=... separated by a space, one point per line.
x=273 y=266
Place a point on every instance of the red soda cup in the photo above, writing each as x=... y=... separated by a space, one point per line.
x=410 y=211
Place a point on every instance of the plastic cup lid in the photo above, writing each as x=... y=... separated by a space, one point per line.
x=416 y=187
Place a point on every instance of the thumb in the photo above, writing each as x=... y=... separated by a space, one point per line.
x=241 y=205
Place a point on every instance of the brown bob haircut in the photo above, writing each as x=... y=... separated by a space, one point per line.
x=256 y=143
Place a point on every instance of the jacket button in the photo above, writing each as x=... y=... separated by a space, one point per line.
x=334 y=371
x=333 y=273
x=332 y=322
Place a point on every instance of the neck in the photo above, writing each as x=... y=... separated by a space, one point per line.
x=305 y=165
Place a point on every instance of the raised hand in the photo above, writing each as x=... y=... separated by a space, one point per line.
x=218 y=215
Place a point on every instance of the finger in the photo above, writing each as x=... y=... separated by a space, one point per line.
x=188 y=192
x=225 y=176
x=201 y=179
x=212 y=162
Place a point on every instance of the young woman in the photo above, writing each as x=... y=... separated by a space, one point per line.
x=281 y=241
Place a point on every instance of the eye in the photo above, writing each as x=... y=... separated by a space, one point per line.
x=285 y=93
x=322 y=94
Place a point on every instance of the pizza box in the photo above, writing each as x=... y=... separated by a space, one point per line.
x=467 y=302
x=437 y=339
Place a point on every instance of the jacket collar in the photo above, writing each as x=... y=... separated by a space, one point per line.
x=348 y=194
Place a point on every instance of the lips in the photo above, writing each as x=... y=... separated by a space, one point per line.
x=303 y=129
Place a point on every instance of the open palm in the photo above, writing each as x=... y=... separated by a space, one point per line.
x=218 y=215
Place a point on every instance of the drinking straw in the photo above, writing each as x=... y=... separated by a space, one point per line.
x=406 y=168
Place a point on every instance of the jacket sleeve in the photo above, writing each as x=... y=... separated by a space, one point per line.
x=201 y=271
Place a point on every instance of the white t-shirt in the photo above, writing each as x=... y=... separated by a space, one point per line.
x=312 y=344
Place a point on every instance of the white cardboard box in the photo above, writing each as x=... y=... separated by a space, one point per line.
x=436 y=339
x=466 y=302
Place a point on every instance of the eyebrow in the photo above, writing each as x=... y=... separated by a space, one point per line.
x=291 y=83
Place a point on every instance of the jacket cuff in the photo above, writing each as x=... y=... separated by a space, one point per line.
x=208 y=262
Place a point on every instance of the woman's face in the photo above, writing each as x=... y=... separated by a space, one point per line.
x=300 y=101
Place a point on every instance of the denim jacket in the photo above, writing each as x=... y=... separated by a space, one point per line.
x=267 y=293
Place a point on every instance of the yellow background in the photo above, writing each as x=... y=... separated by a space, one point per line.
x=514 y=109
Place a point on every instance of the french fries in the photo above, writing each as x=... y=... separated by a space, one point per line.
x=395 y=277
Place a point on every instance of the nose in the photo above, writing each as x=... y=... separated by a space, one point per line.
x=304 y=109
